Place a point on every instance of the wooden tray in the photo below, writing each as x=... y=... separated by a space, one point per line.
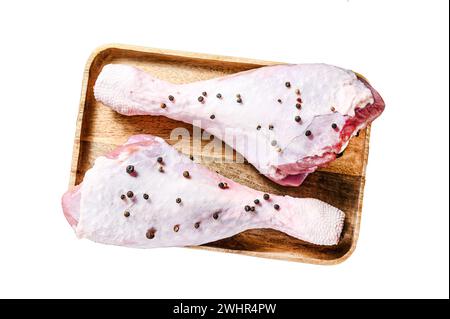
x=99 y=129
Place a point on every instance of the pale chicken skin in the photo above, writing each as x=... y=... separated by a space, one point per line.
x=146 y=194
x=286 y=120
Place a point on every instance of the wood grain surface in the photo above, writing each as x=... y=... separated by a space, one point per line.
x=99 y=130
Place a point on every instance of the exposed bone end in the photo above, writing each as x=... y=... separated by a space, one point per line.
x=71 y=205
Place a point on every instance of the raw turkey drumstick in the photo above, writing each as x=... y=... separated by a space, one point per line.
x=146 y=194
x=292 y=119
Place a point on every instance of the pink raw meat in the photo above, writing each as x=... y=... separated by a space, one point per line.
x=289 y=119
x=146 y=194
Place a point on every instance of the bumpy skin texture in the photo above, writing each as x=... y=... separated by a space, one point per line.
x=333 y=105
x=205 y=214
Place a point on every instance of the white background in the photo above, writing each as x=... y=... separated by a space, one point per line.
x=401 y=46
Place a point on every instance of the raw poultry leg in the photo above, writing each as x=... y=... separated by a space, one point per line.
x=286 y=120
x=146 y=194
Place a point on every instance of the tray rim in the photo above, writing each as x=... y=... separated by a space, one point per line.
x=214 y=57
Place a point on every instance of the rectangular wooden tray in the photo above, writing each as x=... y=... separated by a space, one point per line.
x=99 y=130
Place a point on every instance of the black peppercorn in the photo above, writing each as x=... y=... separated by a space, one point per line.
x=150 y=233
